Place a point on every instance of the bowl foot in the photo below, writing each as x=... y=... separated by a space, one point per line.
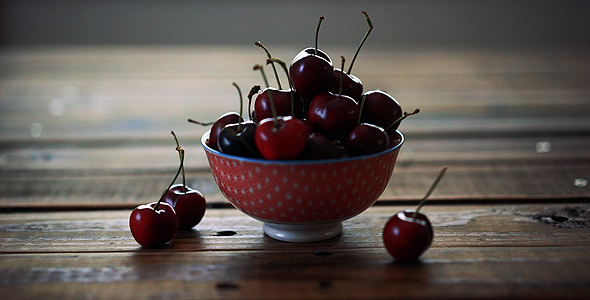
x=302 y=233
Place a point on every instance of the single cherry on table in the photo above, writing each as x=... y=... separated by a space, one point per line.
x=407 y=234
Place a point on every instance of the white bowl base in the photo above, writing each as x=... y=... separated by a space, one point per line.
x=302 y=233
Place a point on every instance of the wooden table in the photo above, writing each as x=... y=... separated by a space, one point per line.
x=85 y=137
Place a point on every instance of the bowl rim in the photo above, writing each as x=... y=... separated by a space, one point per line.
x=205 y=136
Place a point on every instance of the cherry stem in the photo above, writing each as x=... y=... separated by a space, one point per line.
x=405 y=115
x=284 y=66
x=363 y=100
x=272 y=63
x=272 y=102
x=180 y=168
x=430 y=190
x=317 y=33
x=181 y=156
x=253 y=91
x=241 y=104
x=200 y=123
x=362 y=41
x=341 y=75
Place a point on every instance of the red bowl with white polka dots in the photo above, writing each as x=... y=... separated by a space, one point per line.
x=302 y=200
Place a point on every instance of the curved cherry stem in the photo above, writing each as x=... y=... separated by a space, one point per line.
x=284 y=66
x=241 y=104
x=268 y=56
x=317 y=33
x=272 y=102
x=362 y=42
x=430 y=190
x=405 y=115
x=253 y=91
x=200 y=123
x=180 y=169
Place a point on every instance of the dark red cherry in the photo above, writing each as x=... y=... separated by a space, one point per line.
x=189 y=205
x=406 y=237
x=282 y=101
x=381 y=109
x=351 y=85
x=238 y=139
x=333 y=115
x=366 y=139
x=227 y=118
x=154 y=224
x=320 y=147
x=281 y=138
x=311 y=75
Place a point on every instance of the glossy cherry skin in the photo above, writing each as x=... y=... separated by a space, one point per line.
x=226 y=118
x=333 y=115
x=366 y=139
x=189 y=205
x=282 y=101
x=406 y=238
x=283 y=141
x=239 y=143
x=311 y=74
x=312 y=50
x=381 y=109
x=153 y=227
x=351 y=85
x=320 y=147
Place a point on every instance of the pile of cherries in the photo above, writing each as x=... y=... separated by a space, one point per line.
x=179 y=208
x=323 y=114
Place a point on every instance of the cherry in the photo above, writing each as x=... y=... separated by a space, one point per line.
x=352 y=85
x=286 y=102
x=282 y=99
x=381 y=109
x=188 y=203
x=311 y=75
x=238 y=139
x=154 y=224
x=318 y=146
x=335 y=115
x=280 y=137
x=408 y=234
x=366 y=139
x=311 y=72
x=226 y=118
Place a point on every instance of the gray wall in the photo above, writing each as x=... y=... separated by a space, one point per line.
x=402 y=22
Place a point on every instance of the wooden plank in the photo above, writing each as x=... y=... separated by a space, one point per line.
x=492 y=180
x=496 y=251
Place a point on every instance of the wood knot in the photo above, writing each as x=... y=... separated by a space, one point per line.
x=566 y=217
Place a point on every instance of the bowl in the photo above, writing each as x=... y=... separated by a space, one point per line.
x=302 y=200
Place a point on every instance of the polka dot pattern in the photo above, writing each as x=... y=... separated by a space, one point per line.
x=302 y=191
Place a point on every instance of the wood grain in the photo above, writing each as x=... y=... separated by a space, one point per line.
x=496 y=251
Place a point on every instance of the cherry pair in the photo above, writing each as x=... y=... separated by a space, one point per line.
x=179 y=208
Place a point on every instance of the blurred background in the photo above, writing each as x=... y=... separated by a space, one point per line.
x=398 y=22
x=99 y=85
